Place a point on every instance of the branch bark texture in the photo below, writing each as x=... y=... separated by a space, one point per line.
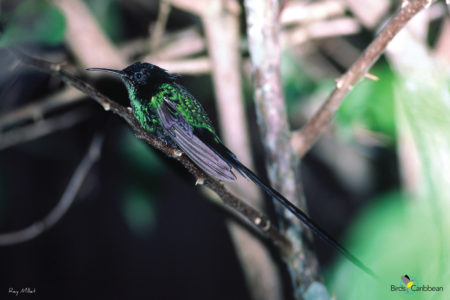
x=222 y=34
x=92 y=155
x=303 y=140
x=263 y=34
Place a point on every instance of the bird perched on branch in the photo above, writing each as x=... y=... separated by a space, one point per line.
x=168 y=110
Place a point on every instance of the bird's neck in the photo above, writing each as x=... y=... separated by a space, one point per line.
x=145 y=93
x=152 y=96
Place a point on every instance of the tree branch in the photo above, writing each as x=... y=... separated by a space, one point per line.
x=222 y=33
x=158 y=28
x=83 y=32
x=263 y=30
x=303 y=140
x=37 y=109
x=42 y=127
x=243 y=209
x=37 y=228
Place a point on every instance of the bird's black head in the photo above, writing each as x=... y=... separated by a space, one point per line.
x=141 y=74
x=142 y=79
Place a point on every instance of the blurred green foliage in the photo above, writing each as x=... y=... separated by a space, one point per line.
x=395 y=237
x=33 y=21
x=140 y=156
x=408 y=233
x=138 y=208
x=297 y=83
x=370 y=104
x=107 y=13
x=139 y=202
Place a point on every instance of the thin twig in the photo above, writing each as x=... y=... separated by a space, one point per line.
x=173 y=45
x=303 y=140
x=83 y=31
x=196 y=65
x=329 y=28
x=303 y=12
x=37 y=110
x=160 y=25
x=199 y=7
x=252 y=215
x=78 y=177
x=42 y=127
x=243 y=209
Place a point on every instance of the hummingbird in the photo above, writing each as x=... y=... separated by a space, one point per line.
x=408 y=282
x=166 y=109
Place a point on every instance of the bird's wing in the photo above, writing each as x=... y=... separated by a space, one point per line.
x=215 y=159
x=183 y=135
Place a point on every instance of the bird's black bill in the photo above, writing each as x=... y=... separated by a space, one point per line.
x=106 y=70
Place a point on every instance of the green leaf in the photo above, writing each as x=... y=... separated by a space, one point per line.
x=296 y=82
x=407 y=233
x=394 y=238
x=139 y=212
x=140 y=156
x=107 y=13
x=34 y=21
x=145 y=170
x=370 y=104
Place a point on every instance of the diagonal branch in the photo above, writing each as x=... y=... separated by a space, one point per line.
x=244 y=210
x=158 y=29
x=78 y=177
x=303 y=140
x=42 y=127
x=37 y=110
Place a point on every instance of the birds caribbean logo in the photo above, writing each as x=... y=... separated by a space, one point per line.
x=408 y=282
x=166 y=109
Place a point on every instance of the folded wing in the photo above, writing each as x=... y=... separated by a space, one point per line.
x=183 y=135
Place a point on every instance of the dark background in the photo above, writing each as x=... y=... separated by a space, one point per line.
x=139 y=228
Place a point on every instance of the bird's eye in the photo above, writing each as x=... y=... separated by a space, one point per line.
x=138 y=75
